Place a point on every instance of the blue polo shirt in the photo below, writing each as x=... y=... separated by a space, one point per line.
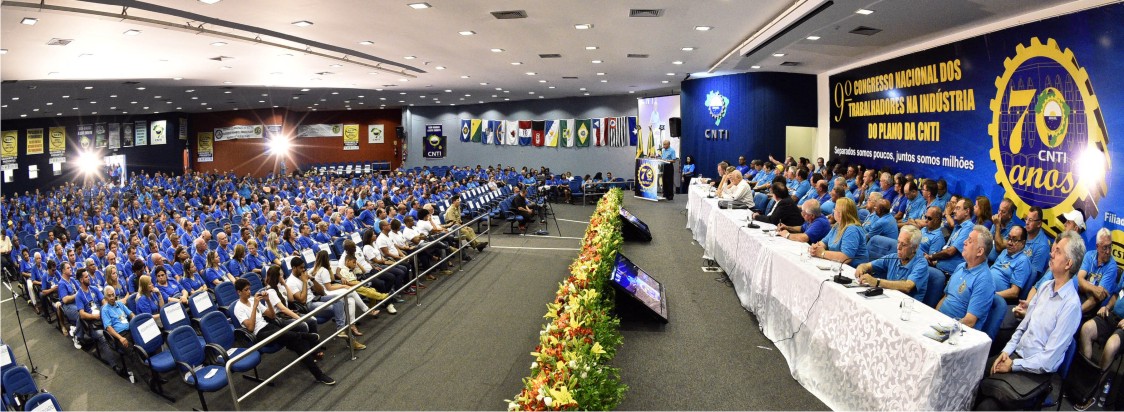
x=116 y=316
x=914 y=209
x=1010 y=270
x=149 y=305
x=1038 y=250
x=1105 y=276
x=890 y=267
x=969 y=291
x=88 y=300
x=852 y=243
x=172 y=289
x=884 y=225
x=931 y=240
x=67 y=287
x=816 y=230
x=956 y=240
x=803 y=188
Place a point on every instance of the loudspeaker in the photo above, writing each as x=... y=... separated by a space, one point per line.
x=400 y=131
x=634 y=229
x=676 y=126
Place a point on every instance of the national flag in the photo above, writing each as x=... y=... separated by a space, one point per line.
x=487 y=131
x=538 y=132
x=552 y=132
x=567 y=137
x=499 y=129
x=633 y=131
x=583 y=132
x=466 y=132
x=653 y=141
x=595 y=131
x=476 y=130
x=525 y=133
x=616 y=135
x=512 y=136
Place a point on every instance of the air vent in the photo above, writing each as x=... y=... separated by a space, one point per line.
x=510 y=14
x=645 y=13
x=59 y=42
x=637 y=56
x=791 y=64
x=551 y=56
x=569 y=77
x=130 y=83
x=865 y=31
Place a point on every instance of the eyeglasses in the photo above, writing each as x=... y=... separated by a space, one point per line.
x=1033 y=220
x=1014 y=240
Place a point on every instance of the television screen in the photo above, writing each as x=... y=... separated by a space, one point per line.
x=640 y=285
x=628 y=216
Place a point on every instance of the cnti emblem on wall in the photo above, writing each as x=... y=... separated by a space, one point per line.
x=716 y=105
x=1048 y=134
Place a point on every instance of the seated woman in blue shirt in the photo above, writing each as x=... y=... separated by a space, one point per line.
x=215 y=273
x=149 y=298
x=846 y=241
x=169 y=287
x=191 y=280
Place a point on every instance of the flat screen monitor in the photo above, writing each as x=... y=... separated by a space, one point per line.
x=635 y=221
x=641 y=286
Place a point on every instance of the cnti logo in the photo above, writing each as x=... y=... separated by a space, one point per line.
x=646 y=176
x=1049 y=141
x=1118 y=248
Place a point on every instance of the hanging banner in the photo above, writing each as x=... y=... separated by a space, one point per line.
x=255 y=131
x=501 y=128
x=127 y=135
x=183 y=128
x=320 y=130
x=100 y=135
x=34 y=141
x=434 y=142
x=350 y=137
x=205 y=147
x=376 y=134
x=85 y=135
x=159 y=132
x=272 y=130
x=57 y=142
x=489 y=131
x=9 y=148
x=141 y=130
x=114 y=136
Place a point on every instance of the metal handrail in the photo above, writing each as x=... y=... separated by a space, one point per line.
x=347 y=328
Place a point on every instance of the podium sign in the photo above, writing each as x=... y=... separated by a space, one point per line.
x=648 y=177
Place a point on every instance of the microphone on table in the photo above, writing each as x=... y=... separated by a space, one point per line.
x=843 y=280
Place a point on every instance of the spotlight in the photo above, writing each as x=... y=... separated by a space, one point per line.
x=88 y=163
x=279 y=146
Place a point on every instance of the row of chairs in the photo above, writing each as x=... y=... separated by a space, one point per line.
x=18 y=390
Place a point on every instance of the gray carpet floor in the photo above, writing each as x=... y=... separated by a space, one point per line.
x=466 y=346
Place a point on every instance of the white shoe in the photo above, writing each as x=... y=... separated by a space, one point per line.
x=72 y=330
x=76 y=344
x=391 y=310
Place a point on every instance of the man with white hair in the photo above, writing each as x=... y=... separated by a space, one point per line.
x=970 y=290
x=905 y=271
x=815 y=225
x=1098 y=278
x=736 y=189
x=1037 y=349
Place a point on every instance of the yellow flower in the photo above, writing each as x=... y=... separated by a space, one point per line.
x=597 y=349
x=562 y=396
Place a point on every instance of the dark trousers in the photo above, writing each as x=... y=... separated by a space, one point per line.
x=299 y=342
x=1011 y=390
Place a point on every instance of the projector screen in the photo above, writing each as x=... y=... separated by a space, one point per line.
x=653 y=112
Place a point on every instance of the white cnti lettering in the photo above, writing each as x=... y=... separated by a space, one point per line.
x=1053 y=156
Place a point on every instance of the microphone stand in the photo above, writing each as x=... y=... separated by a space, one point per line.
x=34 y=370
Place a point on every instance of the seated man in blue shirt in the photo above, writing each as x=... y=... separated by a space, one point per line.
x=1037 y=241
x=951 y=255
x=66 y=306
x=1011 y=269
x=932 y=237
x=815 y=225
x=1098 y=278
x=1001 y=224
x=970 y=290
x=880 y=222
x=905 y=271
x=1037 y=349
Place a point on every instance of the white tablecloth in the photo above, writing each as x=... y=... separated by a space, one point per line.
x=852 y=352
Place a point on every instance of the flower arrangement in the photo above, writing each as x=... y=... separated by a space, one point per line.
x=571 y=368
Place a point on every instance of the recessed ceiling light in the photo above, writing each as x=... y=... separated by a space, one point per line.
x=3 y=51
x=671 y=74
x=403 y=79
x=336 y=65
x=813 y=38
x=677 y=62
x=581 y=89
x=591 y=47
x=483 y=83
x=596 y=62
x=688 y=49
x=755 y=67
x=440 y=67
x=464 y=77
x=302 y=23
x=864 y=12
x=497 y=50
x=209 y=1
x=586 y=94
x=24 y=115
x=335 y=92
x=305 y=90
x=542 y=81
x=419 y=6
x=226 y=67
x=703 y=28
x=531 y=73
x=219 y=44
x=53 y=73
x=88 y=87
x=15 y=98
x=530 y=92
x=778 y=54
x=600 y=73
x=177 y=78
x=227 y=92
x=466 y=32
x=585 y=26
x=49 y=103
x=131 y=32
x=227 y=82
x=631 y=91
x=366 y=42
x=410 y=57
x=30 y=21
x=664 y=82
x=550 y=87
x=140 y=87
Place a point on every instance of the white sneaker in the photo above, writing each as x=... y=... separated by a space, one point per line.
x=72 y=330
x=76 y=344
x=391 y=310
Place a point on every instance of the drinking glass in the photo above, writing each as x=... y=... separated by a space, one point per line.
x=907 y=308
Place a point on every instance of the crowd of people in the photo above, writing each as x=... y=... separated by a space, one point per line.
x=1056 y=291
x=89 y=257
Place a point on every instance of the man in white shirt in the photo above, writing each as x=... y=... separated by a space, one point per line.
x=252 y=310
x=311 y=293
x=736 y=189
x=435 y=252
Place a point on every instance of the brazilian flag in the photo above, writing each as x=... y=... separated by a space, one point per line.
x=582 y=134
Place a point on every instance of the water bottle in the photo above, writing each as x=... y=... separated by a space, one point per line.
x=1104 y=394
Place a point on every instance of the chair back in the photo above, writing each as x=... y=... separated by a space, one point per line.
x=225 y=294
x=255 y=281
x=17 y=380
x=200 y=304
x=172 y=316
x=1031 y=280
x=934 y=289
x=216 y=329
x=35 y=401
x=185 y=346
x=155 y=340
x=995 y=316
x=7 y=358
x=879 y=246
